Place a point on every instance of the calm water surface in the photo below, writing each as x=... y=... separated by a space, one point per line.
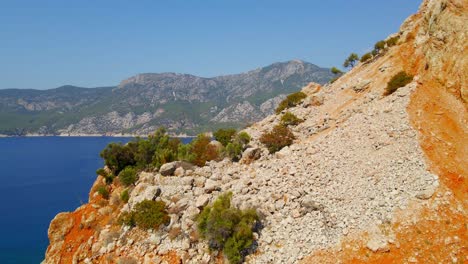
x=40 y=177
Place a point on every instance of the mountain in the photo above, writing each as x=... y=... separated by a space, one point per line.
x=372 y=176
x=182 y=103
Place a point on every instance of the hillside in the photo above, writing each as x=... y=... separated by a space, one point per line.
x=370 y=178
x=139 y=105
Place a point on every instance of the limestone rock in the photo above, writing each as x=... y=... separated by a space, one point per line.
x=168 y=168
x=250 y=155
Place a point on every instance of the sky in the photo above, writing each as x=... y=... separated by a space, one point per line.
x=49 y=43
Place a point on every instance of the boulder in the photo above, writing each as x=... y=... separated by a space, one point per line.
x=179 y=172
x=211 y=186
x=202 y=200
x=361 y=85
x=250 y=155
x=168 y=168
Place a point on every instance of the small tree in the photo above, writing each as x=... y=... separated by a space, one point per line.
x=351 y=60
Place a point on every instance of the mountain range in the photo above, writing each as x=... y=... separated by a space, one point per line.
x=183 y=103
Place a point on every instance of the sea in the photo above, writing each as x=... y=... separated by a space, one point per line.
x=40 y=177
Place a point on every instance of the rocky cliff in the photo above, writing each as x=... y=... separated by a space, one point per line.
x=369 y=179
x=182 y=103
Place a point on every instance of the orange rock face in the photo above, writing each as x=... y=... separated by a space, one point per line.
x=435 y=50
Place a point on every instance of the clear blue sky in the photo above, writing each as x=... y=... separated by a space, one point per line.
x=49 y=43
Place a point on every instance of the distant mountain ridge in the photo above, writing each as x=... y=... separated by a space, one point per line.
x=183 y=103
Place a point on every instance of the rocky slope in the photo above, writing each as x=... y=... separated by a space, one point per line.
x=183 y=103
x=369 y=179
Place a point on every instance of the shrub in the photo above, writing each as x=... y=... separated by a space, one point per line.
x=146 y=215
x=101 y=172
x=150 y=214
x=202 y=151
x=399 y=80
x=290 y=119
x=124 y=196
x=335 y=71
x=366 y=57
x=127 y=218
x=238 y=144
x=291 y=101
x=243 y=138
x=117 y=156
x=380 y=45
x=279 y=137
x=128 y=176
x=393 y=41
x=108 y=177
x=224 y=136
x=351 y=60
x=102 y=190
x=234 y=151
x=228 y=229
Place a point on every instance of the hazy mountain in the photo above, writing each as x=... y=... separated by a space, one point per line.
x=183 y=103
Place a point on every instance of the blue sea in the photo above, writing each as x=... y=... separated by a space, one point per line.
x=40 y=177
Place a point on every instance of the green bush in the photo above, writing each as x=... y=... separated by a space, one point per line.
x=242 y=138
x=103 y=191
x=291 y=101
x=151 y=214
x=234 y=148
x=228 y=229
x=224 y=136
x=234 y=151
x=399 y=80
x=290 y=119
x=379 y=46
x=101 y=172
x=336 y=71
x=393 y=41
x=108 y=177
x=124 y=196
x=146 y=215
x=127 y=218
x=366 y=57
x=117 y=156
x=128 y=176
x=279 y=137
